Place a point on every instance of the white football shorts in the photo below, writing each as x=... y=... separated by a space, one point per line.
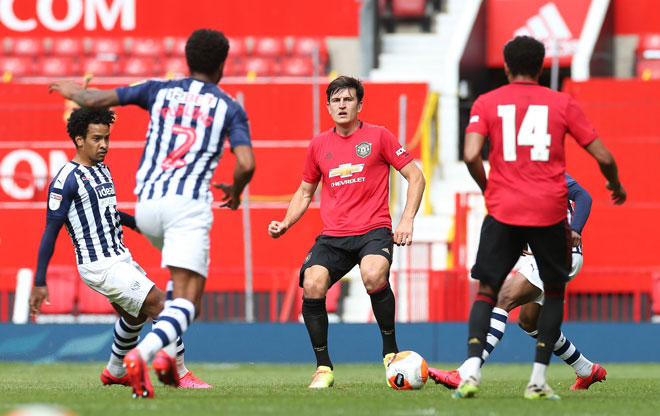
x=179 y=227
x=531 y=271
x=121 y=280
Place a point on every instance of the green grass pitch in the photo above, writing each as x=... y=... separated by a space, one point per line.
x=271 y=389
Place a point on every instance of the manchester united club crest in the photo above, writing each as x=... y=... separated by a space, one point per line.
x=363 y=149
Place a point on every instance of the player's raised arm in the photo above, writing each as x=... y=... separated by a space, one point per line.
x=416 y=182
x=297 y=207
x=609 y=169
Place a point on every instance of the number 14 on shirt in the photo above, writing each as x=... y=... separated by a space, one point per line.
x=533 y=132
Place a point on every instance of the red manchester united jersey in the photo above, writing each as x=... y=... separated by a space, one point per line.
x=354 y=172
x=526 y=125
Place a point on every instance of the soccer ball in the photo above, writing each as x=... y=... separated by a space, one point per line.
x=407 y=371
x=38 y=409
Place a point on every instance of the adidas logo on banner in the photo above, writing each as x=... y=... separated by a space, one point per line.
x=549 y=25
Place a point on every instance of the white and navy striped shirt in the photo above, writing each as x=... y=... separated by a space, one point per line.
x=84 y=198
x=189 y=120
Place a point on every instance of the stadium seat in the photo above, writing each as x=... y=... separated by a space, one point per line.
x=137 y=66
x=297 y=66
x=17 y=66
x=305 y=47
x=234 y=67
x=67 y=47
x=27 y=47
x=649 y=46
x=91 y=302
x=178 y=47
x=260 y=66
x=175 y=66
x=98 y=67
x=394 y=11
x=56 y=66
x=237 y=47
x=268 y=47
x=106 y=48
x=62 y=289
x=648 y=69
x=147 y=47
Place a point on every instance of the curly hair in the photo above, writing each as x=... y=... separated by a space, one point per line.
x=206 y=50
x=81 y=118
x=343 y=82
x=524 y=55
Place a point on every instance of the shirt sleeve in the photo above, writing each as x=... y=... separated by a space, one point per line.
x=578 y=125
x=60 y=197
x=127 y=220
x=238 y=129
x=46 y=249
x=139 y=94
x=582 y=207
x=477 y=123
x=312 y=170
x=395 y=154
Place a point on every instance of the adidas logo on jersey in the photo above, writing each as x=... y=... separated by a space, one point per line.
x=547 y=26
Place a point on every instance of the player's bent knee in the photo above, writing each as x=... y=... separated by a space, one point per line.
x=315 y=285
x=154 y=303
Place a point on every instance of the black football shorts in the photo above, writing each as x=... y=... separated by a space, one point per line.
x=340 y=254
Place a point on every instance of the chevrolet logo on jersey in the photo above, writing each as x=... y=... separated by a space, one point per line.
x=346 y=170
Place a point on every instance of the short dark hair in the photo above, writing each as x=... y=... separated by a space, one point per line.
x=81 y=118
x=524 y=55
x=206 y=50
x=343 y=82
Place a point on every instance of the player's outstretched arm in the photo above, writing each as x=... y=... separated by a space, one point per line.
x=416 y=183
x=609 y=169
x=474 y=142
x=39 y=293
x=297 y=207
x=90 y=98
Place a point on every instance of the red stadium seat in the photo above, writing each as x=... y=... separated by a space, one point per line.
x=91 y=302
x=178 y=47
x=98 y=67
x=237 y=47
x=409 y=8
x=147 y=47
x=234 y=67
x=137 y=66
x=107 y=48
x=175 y=66
x=18 y=66
x=260 y=66
x=56 y=66
x=27 y=47
x=305 y=47
x=649 y=46
x=297 y=66
x=67 y=47
x=62 y=289
x=648 y=69
x=268 y=47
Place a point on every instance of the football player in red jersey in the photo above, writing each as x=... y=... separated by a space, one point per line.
x=353 y=162
x=526 y=196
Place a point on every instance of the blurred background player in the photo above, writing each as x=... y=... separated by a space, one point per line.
x=526 y=198
x=525 y=289
x=82 y=198
x=190 y=119
x=353 y=162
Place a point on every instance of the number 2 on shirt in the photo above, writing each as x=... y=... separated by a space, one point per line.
x=175 y=159
x=533 y=132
